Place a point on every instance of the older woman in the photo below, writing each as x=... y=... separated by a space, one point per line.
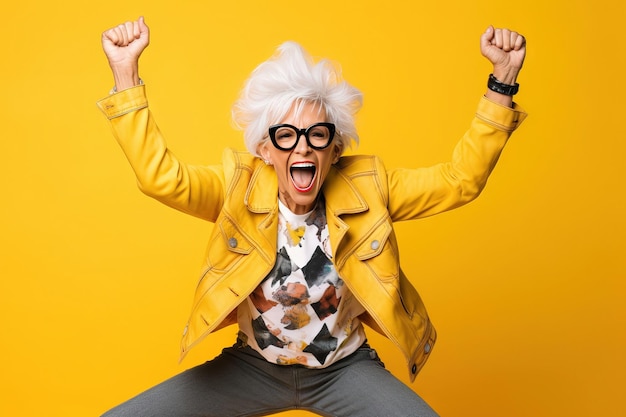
x=303 y=252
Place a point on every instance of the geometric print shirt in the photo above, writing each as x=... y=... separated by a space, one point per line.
x=302 y=313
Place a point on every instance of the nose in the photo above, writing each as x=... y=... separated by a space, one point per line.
x=302 y=145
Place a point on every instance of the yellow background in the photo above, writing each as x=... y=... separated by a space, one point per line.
x=525 y=285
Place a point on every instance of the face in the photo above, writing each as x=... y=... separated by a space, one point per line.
x=301 y=171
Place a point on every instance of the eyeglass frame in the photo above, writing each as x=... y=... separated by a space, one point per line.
x=302 y=132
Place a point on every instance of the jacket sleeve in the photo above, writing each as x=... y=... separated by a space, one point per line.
x=196 y=190
x=422 y=192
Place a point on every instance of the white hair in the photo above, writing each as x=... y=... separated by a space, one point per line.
x=291 y=77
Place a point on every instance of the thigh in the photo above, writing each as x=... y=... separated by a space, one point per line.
x=361 y=386
x=237 y=383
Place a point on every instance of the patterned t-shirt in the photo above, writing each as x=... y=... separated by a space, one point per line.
x=302 y=312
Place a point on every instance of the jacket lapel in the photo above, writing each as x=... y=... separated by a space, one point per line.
x=261 y=205
x=342 y=197
x=262 y=193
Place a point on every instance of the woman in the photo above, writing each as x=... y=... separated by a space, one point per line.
x=303 y=251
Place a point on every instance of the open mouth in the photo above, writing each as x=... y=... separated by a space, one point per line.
x=303 y=175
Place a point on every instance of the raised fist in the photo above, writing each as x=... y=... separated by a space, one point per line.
x=124 y=43
x=506 y=50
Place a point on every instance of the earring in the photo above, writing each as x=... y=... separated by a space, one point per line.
x=267 y=162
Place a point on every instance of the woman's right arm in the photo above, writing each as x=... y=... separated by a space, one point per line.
x=196 y=190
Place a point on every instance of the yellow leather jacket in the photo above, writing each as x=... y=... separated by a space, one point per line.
x=363 y=199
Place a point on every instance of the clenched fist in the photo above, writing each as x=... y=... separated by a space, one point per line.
x=506 y=50
x=123 y=45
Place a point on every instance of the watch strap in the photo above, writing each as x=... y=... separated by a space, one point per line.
x=499 y=87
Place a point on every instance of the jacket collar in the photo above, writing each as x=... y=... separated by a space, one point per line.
x=340 y=193
x=342 y=196
x=262 y=193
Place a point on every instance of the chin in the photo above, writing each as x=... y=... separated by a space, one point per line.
x=300 y=204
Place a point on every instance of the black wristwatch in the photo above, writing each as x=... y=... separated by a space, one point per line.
x=499 y=87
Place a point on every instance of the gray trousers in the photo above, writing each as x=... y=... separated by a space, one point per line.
x=240 y=382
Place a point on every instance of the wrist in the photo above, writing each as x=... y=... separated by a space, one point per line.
x=115 y=90
x=506 y=75
x=125 y=76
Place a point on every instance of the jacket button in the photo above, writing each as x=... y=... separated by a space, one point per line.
x=414 y=369
x=375 y=244
x=427 y=348
x=232 y=242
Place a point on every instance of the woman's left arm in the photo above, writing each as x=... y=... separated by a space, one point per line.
x=422 y=192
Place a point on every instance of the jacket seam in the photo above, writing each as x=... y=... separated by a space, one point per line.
x=497 y=125
x=126 y=111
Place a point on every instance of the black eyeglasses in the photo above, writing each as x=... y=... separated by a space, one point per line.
x=318 y=136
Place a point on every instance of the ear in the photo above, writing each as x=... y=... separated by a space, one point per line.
x=264 y=152
x=337 y=152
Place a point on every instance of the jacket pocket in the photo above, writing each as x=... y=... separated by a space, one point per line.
x=379 y=254
x=227 y=246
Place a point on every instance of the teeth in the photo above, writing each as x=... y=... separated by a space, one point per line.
x=303 y=165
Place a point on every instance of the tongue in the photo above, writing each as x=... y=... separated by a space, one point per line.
x=302 y=177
